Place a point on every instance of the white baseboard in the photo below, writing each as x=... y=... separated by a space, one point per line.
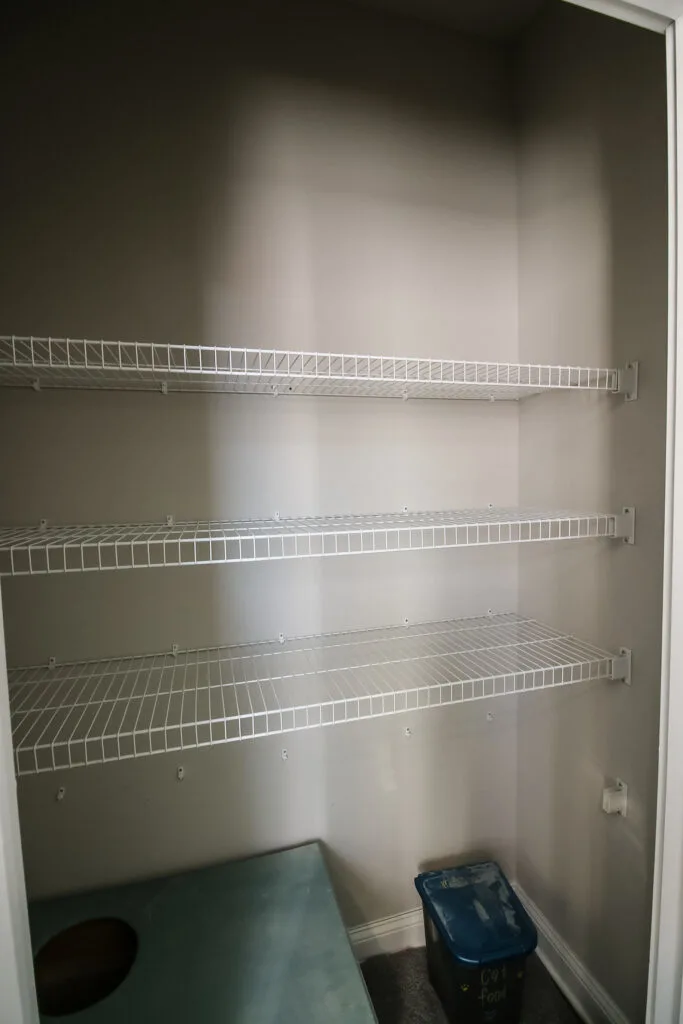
x=388 y=934
x=580 y=988
x=572 y=977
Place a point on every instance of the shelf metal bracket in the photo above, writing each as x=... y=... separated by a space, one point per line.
x=625 y=525
x=627 y=382
x=621 y=666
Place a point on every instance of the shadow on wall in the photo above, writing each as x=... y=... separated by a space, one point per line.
x=324 y=178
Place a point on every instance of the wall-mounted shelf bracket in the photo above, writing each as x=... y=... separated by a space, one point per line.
x=628 y=382
x=621 y=666
x=615 y=798
x=625 y=525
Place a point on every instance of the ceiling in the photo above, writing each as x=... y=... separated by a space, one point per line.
x=497 y=18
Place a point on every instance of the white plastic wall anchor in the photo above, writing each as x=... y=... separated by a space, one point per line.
x=284 y=754
x=627 y=382
x=625 y=525
x=275 y=391
x=405 y=395
x=180 y=773
x=51 y=662
x=408 y=732
x=174 y=650
x=615 y=798
x=276 y=517
x=621 y=666
x=490 y=612
x=164 y=387
x=489 y=716
x=405 y=620
x=404 y=509
x=35 y=384
x=61 y=793
x=281 y=638
x=43 y=524
x=170 y=521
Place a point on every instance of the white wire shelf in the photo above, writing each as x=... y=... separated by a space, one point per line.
x=92 y=712
x=38 y=550
x=73 y=363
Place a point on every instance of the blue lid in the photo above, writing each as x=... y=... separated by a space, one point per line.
x=477 y=914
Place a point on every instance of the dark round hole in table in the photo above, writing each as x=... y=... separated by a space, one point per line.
x=83 y=964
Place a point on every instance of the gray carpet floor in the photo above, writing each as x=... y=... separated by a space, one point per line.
x=401 y=993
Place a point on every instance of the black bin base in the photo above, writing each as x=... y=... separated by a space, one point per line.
x=490 y=994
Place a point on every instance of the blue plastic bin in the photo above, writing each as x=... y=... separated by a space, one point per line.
x=478 y=936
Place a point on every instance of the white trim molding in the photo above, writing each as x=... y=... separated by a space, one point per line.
x=590 y=1000
x=656 y=16
x=388 y=934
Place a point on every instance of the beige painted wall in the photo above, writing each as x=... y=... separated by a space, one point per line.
x=347 y=186
x=593 y=288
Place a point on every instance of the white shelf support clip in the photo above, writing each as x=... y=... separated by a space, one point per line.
x=625 y=525
x=621 y=666
x=615 y=798
x=164 y=387
x=35 y=384
x=627 y=382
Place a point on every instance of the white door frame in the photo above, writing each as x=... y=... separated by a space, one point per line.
x=17 y=990
x=665 y=991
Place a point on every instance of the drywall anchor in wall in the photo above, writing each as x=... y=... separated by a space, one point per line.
x=51 y=661
x=285 y=754
x=164 y=387
x=627 y=382
x=621 y=666
x=180 y=773
x=35 y=384
x=43 y=524
x=405 y=394
x=489 y=716
x=625 y=525
x=276 y=517
x=405 y=620
x=275 y=391
x=61 y=793
x=174 y=650
x=404 y=509
x=170 y=521
x=281 y=637
x=408 y=731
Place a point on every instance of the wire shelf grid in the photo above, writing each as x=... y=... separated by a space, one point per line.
x=93 y=712
x=80 y=363
x=38 y=550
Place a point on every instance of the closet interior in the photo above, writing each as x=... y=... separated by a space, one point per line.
x=398 y=279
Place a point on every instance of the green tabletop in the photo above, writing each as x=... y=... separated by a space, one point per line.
x=250 y=942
